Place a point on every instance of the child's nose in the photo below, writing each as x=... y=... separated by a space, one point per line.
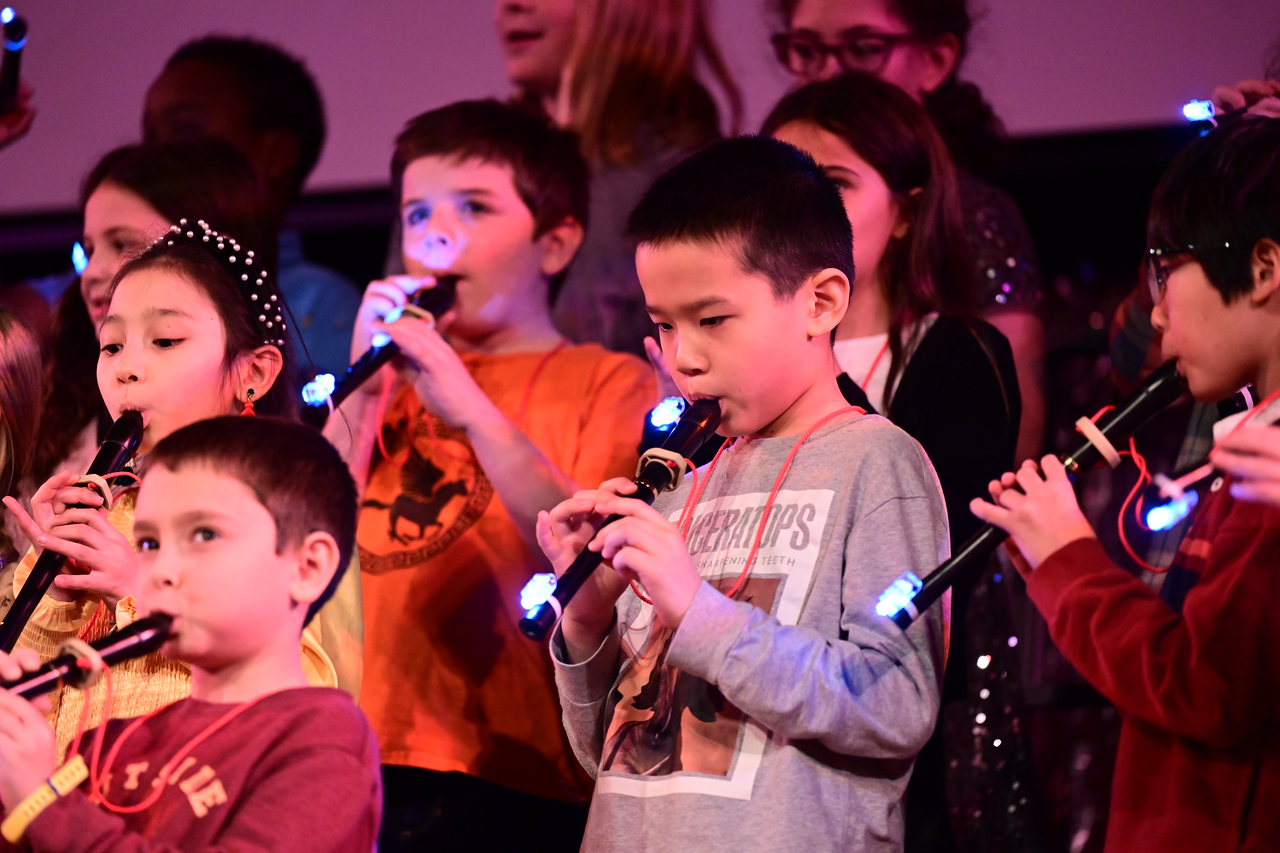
x=439 y=243
x=129 y=367
x=689 y=359
x=161 y=574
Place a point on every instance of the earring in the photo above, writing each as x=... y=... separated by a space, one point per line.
x=248 y=404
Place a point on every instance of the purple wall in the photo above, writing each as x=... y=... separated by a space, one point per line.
x=1047 y=65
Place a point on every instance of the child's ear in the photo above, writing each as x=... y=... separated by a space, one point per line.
x=904 y=217
x=828 y=298
x=258 y=370
x=1265 y=267
x=559 y=244
x=317 y=562
x=939 y=59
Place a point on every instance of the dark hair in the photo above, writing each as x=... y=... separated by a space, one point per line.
x=974 y=134
x=929 y=268
x=20 y=408
x=71 y=396
x=207 y=178
x=197 y=265
x=1224 y=187
x=291 y=469
x=549 y=172
x=278 y=90
x=765 y=198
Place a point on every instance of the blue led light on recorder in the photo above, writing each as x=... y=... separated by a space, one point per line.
x=897 y=596
x=539 y=588
x=666 y=414
x=1199 y=110
x=318 y=390
x=79 y=258
x=1165 y=516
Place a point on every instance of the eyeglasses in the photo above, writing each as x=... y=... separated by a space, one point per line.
x=1158 y=273
x=806 y=55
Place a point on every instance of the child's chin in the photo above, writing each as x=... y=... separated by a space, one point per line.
x=1207 y=391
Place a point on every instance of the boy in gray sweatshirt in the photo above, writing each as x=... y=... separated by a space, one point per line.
x=724 y=674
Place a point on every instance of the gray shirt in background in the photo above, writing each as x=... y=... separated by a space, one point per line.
x=789 y=717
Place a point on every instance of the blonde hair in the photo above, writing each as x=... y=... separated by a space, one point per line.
x=633 y=78
x=20 y=392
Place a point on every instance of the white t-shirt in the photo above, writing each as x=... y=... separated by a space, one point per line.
x=867 y=360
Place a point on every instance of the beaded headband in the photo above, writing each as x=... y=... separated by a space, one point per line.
x=235 y=259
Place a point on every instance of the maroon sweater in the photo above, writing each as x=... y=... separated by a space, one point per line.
x=1195 y=673
x=299 y=771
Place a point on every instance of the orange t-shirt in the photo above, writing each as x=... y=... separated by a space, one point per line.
x=450 y=683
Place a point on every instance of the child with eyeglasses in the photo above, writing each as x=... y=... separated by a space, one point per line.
x=1191 y=667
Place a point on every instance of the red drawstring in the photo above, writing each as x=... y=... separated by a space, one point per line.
x=696 y=490
x=96 y=781
x=1145 y=479
x=874 y=364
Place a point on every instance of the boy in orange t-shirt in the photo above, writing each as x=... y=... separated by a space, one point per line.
x=456 y=449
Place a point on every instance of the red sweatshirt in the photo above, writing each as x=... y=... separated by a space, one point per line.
x=1197 y=681
x=298 y=771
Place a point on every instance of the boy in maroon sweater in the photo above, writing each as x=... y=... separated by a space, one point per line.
x=244 y=526
x=1195 y=668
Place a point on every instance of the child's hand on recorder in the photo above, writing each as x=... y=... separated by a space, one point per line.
x=59 y=521
x=28 y=754
x=1039 y=511
x=1251 y=454
x=642 y=546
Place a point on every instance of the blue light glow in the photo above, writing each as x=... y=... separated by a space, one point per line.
x=15 y=45
x=1198 y=111
x=899 y=594
x=381 y=339
x=318 y=390
x=7 y=15
x=665 y=415
x=1167 y=515
x=539 y=588
x=79 y=259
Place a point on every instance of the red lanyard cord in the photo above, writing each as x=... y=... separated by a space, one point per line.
x=695 y=496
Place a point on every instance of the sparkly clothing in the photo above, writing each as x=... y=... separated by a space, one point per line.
x=958 y=396
x=1008 y=275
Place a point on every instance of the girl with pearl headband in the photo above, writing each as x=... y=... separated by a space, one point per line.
x=194 y=328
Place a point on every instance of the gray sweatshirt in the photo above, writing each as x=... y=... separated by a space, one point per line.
x=788 y=717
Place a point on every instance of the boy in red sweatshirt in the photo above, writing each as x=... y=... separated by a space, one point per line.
x=243 y=527
x=1194 y=668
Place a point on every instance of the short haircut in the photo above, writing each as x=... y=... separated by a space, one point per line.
x=291 y=469
x=1224 y=187
x=766 y=199
x=277 y=88
x=550 y=175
